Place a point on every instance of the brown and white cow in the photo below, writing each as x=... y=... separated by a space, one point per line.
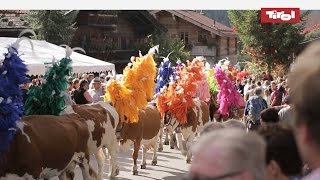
x=44 y=146
x=102 y=120
x=196 y=118
x=145 y=133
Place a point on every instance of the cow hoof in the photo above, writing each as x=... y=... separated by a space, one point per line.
x=117 y=172
x=160 y=149
x=166 y=143
x=188 y=161
x=143 y=166
x=171 y=147
x=154 y=163
x=135 y=172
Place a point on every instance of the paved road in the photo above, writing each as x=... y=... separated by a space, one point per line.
x=171 y=165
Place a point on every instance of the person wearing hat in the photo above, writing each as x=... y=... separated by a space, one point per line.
x=103 y=78
x=97 y=91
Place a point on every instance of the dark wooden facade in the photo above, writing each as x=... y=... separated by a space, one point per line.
x=114 y=36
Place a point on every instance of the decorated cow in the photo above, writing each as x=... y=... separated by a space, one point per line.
x=139 y=122
x=145 y=133
x=179 y=108
x=197 y=117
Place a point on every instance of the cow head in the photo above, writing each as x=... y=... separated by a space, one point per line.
x=170 y=123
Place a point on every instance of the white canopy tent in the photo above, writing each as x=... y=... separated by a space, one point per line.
x=44 y=52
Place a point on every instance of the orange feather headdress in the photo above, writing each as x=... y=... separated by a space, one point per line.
x=178 y=97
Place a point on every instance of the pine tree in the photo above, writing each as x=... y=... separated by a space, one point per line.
x=53 y=26
x=272 y=43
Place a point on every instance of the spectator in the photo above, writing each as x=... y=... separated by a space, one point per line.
x=97 y=92
x=282 y=156
x=304 y=86
x=24 y=89
x=228 y=153
x=269 y=76
x=103 y=78
x=277 y=96
x=239 y=86
x=250 y=91
x=269 y=116
x=246 y=86
x=81 y=95
x=266 y=85
x=233 y=123
x=253 y=108
x=286 y=114
x=90 y=78
x=70 y=83
x=267 y=95
x=75 y=84
x=211 y=126
x=84 y=76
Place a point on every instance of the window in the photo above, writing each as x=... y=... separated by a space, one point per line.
x=115 y=43
x=202 y=38
x=123 y=43
x=185 y=37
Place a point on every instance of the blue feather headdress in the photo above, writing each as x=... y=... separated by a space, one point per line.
x=12 y=74
x=165 y=74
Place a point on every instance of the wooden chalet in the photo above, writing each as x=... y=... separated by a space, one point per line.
x=114 y=36
x=203 y=36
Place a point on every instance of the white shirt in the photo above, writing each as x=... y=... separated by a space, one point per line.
x=96 y=94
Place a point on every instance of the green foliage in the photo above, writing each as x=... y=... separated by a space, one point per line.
x=312 y=34
x=49 y=98
x=53 y=26
x=166 y=46
x=271 y=43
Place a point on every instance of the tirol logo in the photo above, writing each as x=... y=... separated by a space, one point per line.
x=280 y=15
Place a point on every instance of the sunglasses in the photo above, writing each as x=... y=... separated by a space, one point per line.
x=220 y=177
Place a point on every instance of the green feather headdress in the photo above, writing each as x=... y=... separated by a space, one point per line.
x=49 y=97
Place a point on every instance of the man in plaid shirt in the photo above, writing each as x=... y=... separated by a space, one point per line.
x=304 y=83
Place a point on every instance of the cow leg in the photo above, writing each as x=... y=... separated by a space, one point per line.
x=160 y=148
x=87 y=170
x=188 y=148
x=144 y=157
x=135 y=157
x=68 y=173
x=100 y=161
x=154 y=156
x=113 y=157
x=166 y=140
x=181 y=144
x=172 y=143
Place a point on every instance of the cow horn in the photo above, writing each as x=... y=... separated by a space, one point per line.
x=69 y=50
x=154 y=49
x=28 y=31
x=16 y=44
x=79 y=49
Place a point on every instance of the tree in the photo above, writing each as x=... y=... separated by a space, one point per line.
x=272 y=43
x=53 y=26
x=167 y=45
